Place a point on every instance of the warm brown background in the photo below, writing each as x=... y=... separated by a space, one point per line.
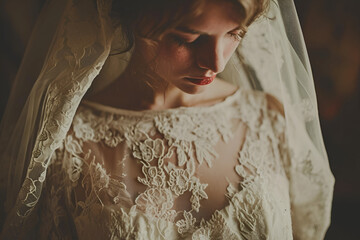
x=332 y=33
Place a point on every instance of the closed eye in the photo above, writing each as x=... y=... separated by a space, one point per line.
x=183 y=41
x=238 y=35
x=235 y=36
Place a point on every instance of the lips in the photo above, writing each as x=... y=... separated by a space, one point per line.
x=201 y=80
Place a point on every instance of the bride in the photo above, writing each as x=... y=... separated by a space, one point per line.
x=192 y=129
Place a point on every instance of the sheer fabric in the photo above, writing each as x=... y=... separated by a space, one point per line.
x=72 y=61
x=278 y=161
x=213 y=172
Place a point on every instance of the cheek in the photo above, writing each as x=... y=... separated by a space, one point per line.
x=174 y=57
x=171 y=51
x=230 y=49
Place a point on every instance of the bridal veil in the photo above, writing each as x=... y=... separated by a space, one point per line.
x=72 y=42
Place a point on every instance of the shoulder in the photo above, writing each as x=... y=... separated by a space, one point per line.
x=262 y=100
x=257 y=108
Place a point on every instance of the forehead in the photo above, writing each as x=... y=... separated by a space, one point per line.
x=154 y=20
x=214 y=15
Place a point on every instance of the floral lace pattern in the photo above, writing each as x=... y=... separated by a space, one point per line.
x=82 y=198
x=258 y=205
x=66 y=64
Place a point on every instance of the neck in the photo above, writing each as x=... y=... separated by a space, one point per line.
x=137 y=90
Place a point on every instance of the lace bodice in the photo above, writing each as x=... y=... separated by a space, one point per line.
x=217 y=172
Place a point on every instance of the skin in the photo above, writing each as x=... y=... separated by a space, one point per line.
x=199 y=49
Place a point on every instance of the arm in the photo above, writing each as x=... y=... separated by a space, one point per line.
x=310 y=179
x=311 y=190
x=55 y=221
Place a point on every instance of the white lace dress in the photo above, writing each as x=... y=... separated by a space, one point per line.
x=217 y=172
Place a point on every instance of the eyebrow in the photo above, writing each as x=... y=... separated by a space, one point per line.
x=193 y=31
x=189 y=30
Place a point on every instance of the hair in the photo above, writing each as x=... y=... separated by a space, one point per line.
x=150 y=19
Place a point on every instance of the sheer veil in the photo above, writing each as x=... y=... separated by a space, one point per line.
x=73 y=56
x=72 y=41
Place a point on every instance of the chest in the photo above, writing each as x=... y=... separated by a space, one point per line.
x=169 y=165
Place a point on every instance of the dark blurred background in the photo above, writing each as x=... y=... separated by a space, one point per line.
x=332 y=34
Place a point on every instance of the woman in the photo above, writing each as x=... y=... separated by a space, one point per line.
x=167 y=150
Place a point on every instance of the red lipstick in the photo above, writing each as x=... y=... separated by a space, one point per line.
x=201 y=81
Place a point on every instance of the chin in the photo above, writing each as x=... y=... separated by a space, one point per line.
x=193 y=89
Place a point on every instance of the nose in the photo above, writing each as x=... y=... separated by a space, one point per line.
x=211 y=56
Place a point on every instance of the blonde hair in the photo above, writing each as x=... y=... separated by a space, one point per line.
x=153 y=18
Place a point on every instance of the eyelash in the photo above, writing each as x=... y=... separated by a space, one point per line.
x=237 y=36
x=179 y=41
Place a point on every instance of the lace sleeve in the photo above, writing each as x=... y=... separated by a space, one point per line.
x=310 y=179
x=311 y=196
x=55 y=221
x=311 y=190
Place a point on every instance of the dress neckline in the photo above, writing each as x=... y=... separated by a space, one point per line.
x=105 y=108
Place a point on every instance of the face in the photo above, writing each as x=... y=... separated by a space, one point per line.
x=190 y=56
